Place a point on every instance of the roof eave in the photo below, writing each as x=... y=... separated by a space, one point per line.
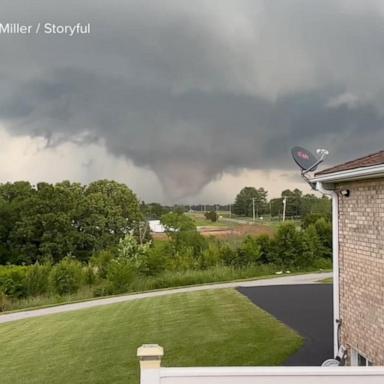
x=351 y=174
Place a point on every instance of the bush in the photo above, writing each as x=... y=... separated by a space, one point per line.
x=120 y=275
x=4 y=302
x=193 y=240
x=12 y=281
x=211 y=215
x=101 y=261
x=130 y=250
x=287 y=246
x=210 y=256
x=311 y=218
x=311 y=247
x=190 y=277
x=324 y=231
x=228 y=255
x=36 y=279
x=66 y=276
x=249 y=251
x=131 y=258
x=182 y=260
x=89 y=275
x=264 y=243
x=154 y=261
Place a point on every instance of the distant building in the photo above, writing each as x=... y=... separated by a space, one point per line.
x=155 y=226
x=357 y=188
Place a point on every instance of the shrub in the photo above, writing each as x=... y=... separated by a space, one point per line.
x=130 y=250
x=324 y=231
x=287 y=246
x=101 y=261
x=154 y=261
x=12 y=281
x=120 y=274
x=210 y=256
x=264 y=242
x=322 y=263
x=103 y=289
x=311 y=218
x=131 y=258
x=182 y=260
x=36 y=279
x=211 y=215
x=311 y=247
x=4 y=302
x=89 y=275
x=228 y=255
x=66 y=276
x=249 y=251
x=193 y=240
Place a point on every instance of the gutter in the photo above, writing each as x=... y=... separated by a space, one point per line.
x=352 y=174
x=335 y=259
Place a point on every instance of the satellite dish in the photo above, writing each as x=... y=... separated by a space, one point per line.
x=307 y=161
x=331 y=363
x=304 y=159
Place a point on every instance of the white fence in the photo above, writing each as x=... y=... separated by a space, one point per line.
x=152 y=373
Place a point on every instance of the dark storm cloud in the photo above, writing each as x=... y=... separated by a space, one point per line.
x=194 y=89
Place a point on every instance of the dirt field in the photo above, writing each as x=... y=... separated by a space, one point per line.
x=238 y=231
x=226 y=232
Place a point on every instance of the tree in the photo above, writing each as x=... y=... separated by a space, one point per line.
x=182 y=232
x=287 y=245
x=311 y=247
x=176 y=222
x=50 y=221
x=211 y=215
x=243 y=205
x=249 y=251
x=109 y=211
x=153 y=211
x=324 y=231
x=294 y=201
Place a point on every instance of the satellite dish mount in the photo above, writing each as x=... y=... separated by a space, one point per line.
x=307 y=161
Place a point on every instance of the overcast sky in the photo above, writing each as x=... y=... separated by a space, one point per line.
x=189 y=100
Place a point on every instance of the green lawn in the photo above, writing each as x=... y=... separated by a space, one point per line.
x=328 y=280
x=200 y=220
x=99 y=345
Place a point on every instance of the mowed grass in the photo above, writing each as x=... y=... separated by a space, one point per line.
x=328 y=280
x=98 y=345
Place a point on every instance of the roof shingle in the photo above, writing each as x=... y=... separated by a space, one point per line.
x=376 y=158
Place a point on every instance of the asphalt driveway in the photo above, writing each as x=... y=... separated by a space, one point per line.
x=305 y=308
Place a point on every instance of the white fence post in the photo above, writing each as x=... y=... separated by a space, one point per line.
x=150 y=361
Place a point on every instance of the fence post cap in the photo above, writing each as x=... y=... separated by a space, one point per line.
x=150 y=351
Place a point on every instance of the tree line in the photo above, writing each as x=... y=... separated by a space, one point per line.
x=185 y=258
x=297 y=204
x=47 y=222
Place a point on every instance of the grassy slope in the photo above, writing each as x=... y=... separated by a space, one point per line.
x=328 y=280
x=99 y=345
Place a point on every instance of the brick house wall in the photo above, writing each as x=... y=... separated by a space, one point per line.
x=361 y=258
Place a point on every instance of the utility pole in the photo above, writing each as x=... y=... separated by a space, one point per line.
x=253 y=208
x=230 y=210
x=284 y=207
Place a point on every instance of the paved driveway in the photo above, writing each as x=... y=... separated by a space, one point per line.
x=305 y=308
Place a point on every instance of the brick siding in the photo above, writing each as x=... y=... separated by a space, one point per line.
x=361 y=257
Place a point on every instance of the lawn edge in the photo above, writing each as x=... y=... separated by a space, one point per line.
x=264 y=277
